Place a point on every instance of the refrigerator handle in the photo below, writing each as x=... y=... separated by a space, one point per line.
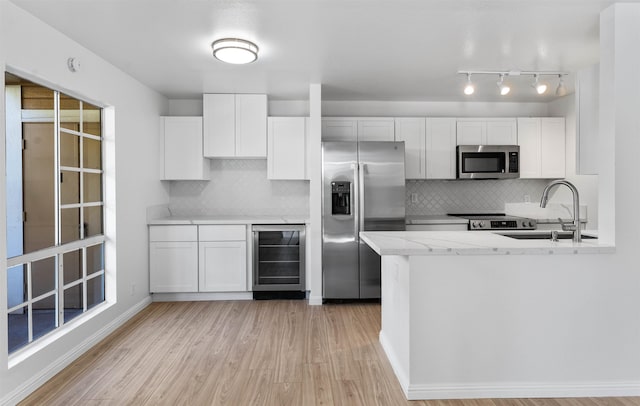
x=361 y=169
x=355 y=198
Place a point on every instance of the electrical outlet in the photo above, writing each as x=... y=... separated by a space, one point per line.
x=133 y=289
x=527 y=199
x=414 y=198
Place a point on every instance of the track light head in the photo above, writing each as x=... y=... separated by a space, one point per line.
x=504 y=89
x=540 y=87
x=562 y=89
x=469 y=88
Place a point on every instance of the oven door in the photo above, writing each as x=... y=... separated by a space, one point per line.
x=487 y=162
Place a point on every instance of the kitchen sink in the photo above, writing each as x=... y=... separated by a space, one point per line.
x=545 y=235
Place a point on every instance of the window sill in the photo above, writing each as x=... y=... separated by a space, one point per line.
x=36 y=346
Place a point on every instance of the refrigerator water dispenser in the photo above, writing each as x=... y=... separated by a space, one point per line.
x=340 y=198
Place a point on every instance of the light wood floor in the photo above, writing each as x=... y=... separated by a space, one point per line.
x=247 y=353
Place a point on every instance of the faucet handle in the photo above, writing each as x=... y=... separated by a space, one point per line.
x=565 y=226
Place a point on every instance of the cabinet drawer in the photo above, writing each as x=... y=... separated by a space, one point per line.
x=223 y=233
x=173 y=233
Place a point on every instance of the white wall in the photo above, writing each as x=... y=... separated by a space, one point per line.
x=587 y=185
x=431 y=109
x=34 y=50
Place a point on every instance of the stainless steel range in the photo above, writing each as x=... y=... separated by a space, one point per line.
x=496 y=221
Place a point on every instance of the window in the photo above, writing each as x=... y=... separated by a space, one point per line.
x=55 y=209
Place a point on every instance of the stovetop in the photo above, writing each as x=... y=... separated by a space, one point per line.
x=496 y=221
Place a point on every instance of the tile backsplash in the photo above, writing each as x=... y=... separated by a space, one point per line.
x=239 y=187
x=469 y=196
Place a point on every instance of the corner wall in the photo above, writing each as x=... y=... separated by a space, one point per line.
x=34 y=50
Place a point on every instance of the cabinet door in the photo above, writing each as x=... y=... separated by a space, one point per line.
x=286 y=148
x=412 y=131
x=376 y=129
x=223 y=266
x=441 y=148
x=336 y=129
x=530 y=148
x=219 y=115
x=182 y=149
x=552 y=130
x=173 y=266
x=502 y=132
x=251 y=125
x=587 y=120
x=471 y=132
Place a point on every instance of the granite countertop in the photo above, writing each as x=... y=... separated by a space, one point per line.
x=474 y=243
x=435 y=219
x=197 y=220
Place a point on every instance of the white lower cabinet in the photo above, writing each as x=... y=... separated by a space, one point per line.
x=173 y=259
x=189 y=258
x=223 y=258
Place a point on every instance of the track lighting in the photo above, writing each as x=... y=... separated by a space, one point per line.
x=504 y=88
x=562 y=89
x=540 y=87
x=469 y=88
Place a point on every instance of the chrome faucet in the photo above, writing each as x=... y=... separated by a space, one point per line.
x=575 y=227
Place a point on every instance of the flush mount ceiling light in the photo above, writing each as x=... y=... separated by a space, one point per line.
x=504 y=88
x=540 y=87
x=235 y=50
x=469 y=88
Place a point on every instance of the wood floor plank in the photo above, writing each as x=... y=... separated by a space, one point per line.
x=249 y=353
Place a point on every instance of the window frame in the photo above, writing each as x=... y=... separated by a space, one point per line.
x=60 y=249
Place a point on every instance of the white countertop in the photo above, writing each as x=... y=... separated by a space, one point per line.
x=197 y=220
x=474 y=243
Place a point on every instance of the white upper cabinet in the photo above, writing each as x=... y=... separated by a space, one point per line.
x=181 y=144
x=587 y=120
x=413 y=132
x=429 y=146
x=553 y=153
x=471 y=132
x=235 y=125
x=358 y=129
x=542 y=147
x=441 y=148
x=376 y=129
x=489 y=131
x=339 y=129
x=287 y=147
x=530 y=147
x=502 y=132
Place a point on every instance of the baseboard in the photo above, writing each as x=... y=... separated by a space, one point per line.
x=401 y=375
x=568 y=390
x=50 y=370
x=203 y=296
x=315 y=300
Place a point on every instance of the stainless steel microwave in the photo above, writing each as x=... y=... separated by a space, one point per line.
x=488 y=161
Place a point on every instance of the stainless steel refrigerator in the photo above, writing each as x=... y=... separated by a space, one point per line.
x=363 y=190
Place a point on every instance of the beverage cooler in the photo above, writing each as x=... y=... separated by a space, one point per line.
x=278 y=258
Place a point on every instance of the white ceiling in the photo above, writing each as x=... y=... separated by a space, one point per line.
x=357 y=49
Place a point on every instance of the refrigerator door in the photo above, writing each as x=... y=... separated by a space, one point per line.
x=339 y=221
x=382 y=203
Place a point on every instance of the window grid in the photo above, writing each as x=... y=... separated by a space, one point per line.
x=58 y=250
